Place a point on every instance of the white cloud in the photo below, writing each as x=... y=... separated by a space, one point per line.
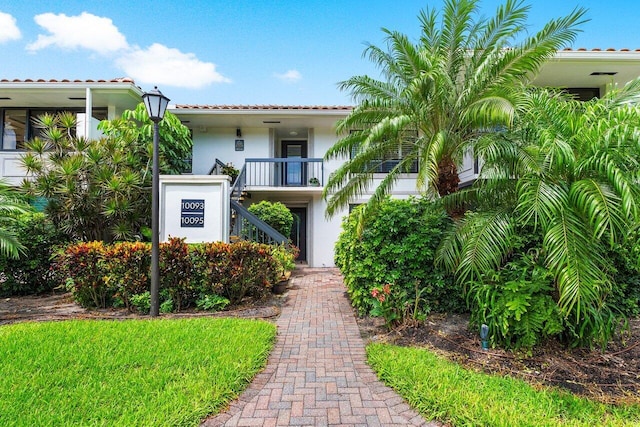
x=82 y=31
x=290 y=76
x=166 y=66
x=8 y=28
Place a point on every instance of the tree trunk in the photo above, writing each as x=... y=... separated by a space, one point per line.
x=447 y=177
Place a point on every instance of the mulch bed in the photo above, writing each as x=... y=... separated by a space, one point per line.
x=612 y=376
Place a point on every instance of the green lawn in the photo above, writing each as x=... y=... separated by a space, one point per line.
x=444 y=391
x=127 y=373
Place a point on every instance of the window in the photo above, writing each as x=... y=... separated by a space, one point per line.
x=393 y=157
x=14 y=129
x=583 y=93
x=18 y=127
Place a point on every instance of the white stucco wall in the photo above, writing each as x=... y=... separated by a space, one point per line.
x=219 y=143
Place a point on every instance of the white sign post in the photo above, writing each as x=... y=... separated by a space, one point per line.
x=194 y=207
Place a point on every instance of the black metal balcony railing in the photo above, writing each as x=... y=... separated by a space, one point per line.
x=283 y=172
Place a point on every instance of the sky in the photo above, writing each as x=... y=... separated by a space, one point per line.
x=278 y=52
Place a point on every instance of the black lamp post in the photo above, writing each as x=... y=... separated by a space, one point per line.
x=156 y=104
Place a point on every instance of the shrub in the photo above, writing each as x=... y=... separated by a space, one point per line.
x=285 y=257
x=396 y=246
x=253 y=271
x=128 y=269
x=83 y=267
x=276 y=214
x=212 y=302
x=99 y=275
x=516 y=303
x=175 y=273
x=33 y=271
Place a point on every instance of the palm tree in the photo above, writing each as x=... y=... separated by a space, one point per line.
x=569 y=170
x=10 y=207
x=463 y=75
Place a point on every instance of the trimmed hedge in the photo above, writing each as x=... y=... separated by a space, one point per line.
x=102 y=275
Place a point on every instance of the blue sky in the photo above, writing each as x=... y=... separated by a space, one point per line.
x=242 y=52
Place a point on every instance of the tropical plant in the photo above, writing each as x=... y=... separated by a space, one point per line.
x=464 y=75
x=276 y=214
x=32 y=271
x=98 y=189
x=11 y=205
x=135 y=128
x=569 y=170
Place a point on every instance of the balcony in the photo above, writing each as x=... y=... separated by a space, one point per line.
x=283 y=172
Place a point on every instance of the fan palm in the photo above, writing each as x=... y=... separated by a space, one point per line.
x=463 y=75
x=568 y=169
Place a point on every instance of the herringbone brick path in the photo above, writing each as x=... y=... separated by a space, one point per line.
x=316 y=374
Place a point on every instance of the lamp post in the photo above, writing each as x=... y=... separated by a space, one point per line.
x=156 y=104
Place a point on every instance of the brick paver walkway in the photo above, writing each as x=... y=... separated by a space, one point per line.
x=316 y=374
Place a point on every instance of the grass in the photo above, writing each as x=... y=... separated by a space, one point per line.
x=126 y=373
x=444 y=391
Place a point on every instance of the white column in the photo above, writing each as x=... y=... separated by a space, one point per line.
x=88 y=112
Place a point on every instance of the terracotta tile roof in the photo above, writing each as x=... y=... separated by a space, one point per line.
x=118 y=80
x=265 y=107
x=597 y=49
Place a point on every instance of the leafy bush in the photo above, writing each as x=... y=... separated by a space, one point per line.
x=119 y=274
x=83 y=267
x=396 y=246
x=99 y=190
x=285 y=257
x=276 y=214
x=175 y=273
x=625 y=294
x=516 y=303
x=141 y=302
x=212 y=302
x=253 y=271
x=33 y=271
x=128 y=270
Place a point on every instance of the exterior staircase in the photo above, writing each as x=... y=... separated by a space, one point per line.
x=244 y=225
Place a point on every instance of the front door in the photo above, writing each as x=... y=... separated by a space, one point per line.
x=299 y=231
x=295 y=173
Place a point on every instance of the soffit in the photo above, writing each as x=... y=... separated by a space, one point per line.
x=574 y=68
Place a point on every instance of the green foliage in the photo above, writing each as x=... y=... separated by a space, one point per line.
x=285 y=256
x=391 y=305
x=11 y=205
x=461 y=76
x=171 y=372
x=175 y=273
x=136 y=129
x=141 y=302
x=516 y=303
x=625 y=295
x=82 y=265
x=253 y=271
x=276 y=214
x=212 y=302
x=99 y=190
x=128 y=271
x=100 y=275
x=397 y=246
x=231 y=171
x=33 y=271
x=568 y=170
